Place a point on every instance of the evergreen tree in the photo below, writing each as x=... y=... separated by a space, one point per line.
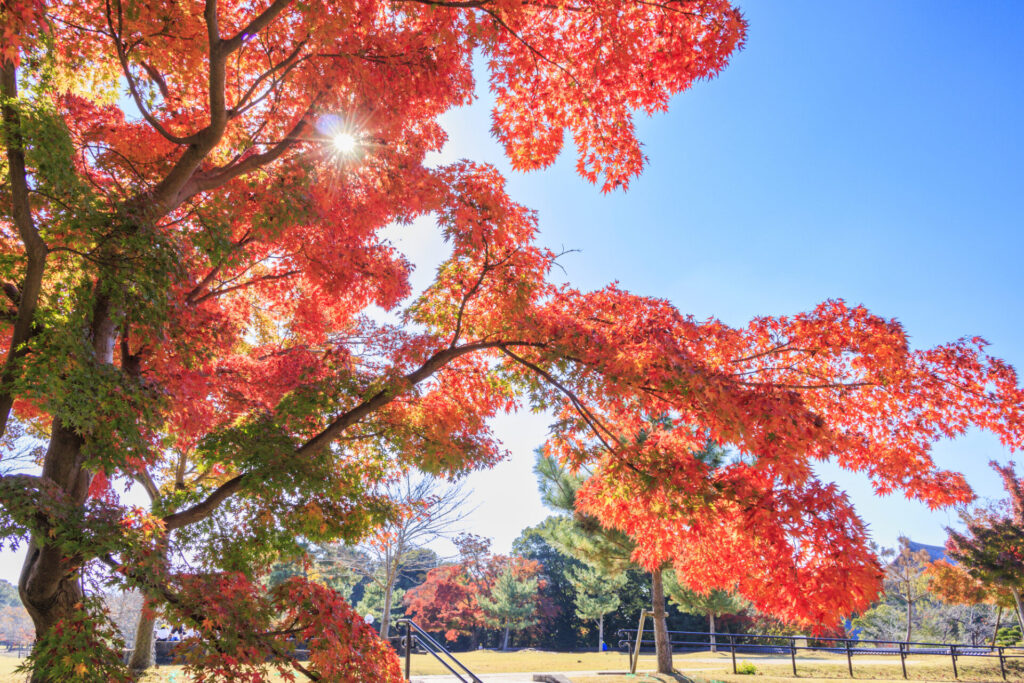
x=712 y=604
x=610 y=550
x=596 y=596
x=561 y=627
x=511 y=604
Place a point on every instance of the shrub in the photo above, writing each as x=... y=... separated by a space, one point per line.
x=746 y=669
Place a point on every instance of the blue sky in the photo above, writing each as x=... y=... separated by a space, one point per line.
x=864 y=150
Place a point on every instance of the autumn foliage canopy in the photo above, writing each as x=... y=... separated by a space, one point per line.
x=191 y=208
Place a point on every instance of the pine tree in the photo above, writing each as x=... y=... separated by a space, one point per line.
x=610 y=550
x=511 y=604
x=596 y=596
x=712 y=604
x=585 y=538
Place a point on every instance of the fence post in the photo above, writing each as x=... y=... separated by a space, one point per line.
x=1002 y=667
x=792 y=653
x=408 y=650
x=952 y=655
x=903 y=661
x=732 y=647
x=849 y=657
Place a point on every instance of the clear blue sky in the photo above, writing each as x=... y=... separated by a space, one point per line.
x=866 y=150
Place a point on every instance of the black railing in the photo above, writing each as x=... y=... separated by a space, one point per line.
x=630 y=642
x=414 y=635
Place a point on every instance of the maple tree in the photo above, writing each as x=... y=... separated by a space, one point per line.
x=459 y=599
x=991 y=548
x=428 y=509
x=186 y=277
x=955 y=586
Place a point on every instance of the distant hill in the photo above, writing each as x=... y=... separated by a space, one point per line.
x=935 y=552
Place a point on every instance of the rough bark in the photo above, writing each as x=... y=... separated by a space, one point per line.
x=662 y=645
x=49 y=582
x=600 y=633
x=504 y=640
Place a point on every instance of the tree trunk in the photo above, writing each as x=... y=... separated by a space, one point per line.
x=49 y=582
x=711 y=631
x=910 y=617
x=999 y=617
x=143 y=652
x=600 y=633
x=504 y=642
x=662 y=646
x=385 y=618
x=48 y=598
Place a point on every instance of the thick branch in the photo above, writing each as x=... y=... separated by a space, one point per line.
x=35 y=248
x=216 y=177
x=206 y=507
x=335 y=429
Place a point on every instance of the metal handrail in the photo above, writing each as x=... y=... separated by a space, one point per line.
x=849 y=646
x=434 y=648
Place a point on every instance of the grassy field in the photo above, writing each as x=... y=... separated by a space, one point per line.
x=480 y=661
x=702 y=667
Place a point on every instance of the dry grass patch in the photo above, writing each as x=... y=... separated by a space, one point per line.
x=935 y=668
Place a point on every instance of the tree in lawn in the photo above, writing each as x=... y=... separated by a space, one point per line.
x=449 y=598
x=198 y=272
x=715 y=603
x=428 y=509
x=906 y=578
x=560 y=629
x=952 y=584
x=607 y=549
x=445 y=602
x=596 y=596
x=511 y=603
x=991 y=548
